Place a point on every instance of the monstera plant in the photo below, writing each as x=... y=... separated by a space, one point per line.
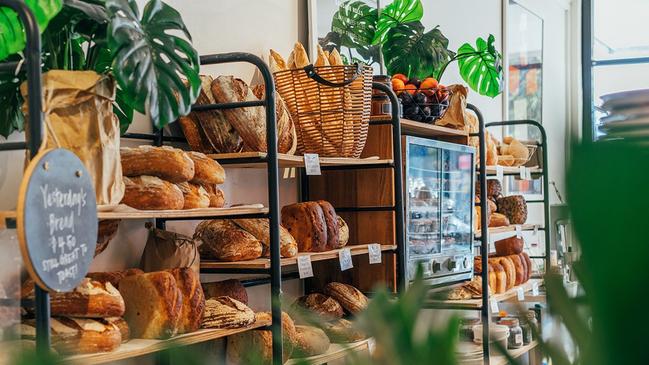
x=149 y=55
x=408 y=48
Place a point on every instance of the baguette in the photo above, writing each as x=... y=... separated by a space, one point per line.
x=165 y=162
x=277 y=63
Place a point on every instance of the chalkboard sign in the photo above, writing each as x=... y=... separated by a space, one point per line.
x=57 y=220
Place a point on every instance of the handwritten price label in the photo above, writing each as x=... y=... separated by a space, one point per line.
x=312 y=164
x=520 y=294
x=493 y=303
x=374 y=251
x=304 y=266
x=345 y=258
x=500 y=173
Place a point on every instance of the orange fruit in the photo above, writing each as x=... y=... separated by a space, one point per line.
x=411 y=89
x=398 y=85
x=401 y=77
x=429 y=83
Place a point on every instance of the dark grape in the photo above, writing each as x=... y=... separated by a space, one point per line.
x=426 y=111
x=420 y=98
x=415 y=81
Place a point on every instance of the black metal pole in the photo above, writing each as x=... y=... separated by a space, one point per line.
x=34 y=138
x=484 y=234
x=588 y=126
x=398 y=186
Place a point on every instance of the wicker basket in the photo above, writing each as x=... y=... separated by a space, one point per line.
x=330 y=106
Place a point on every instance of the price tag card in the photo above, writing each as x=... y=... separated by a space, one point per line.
x=287 y=173
x=374 y=251
x=493 y=303
x=535 y=289
x=536 y=230
x=312 y=164
x=519 y=231
x=500 y=173
x=520 y=294
x=522 y=172
x=304 y=267
x=345 y=258
x=528 y=174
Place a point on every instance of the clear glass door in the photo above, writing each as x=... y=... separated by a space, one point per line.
x=424 y=187
x=457 y=201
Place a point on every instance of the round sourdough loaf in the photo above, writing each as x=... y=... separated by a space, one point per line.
x=350 y=298
x=321 y=304
x=311 y=341
x=225 y=312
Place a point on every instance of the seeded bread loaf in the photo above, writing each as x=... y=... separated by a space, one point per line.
x=321 y=305
x=225 y=312
x=224 y=240
x=514 y=207
x=342 y=331
x=227 y=288
x=152 y=193
x=168 y=163
x=349 y=297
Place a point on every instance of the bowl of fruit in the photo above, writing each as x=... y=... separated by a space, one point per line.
x=421 y=100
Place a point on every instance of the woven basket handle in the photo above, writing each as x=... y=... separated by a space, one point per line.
x=311 y=72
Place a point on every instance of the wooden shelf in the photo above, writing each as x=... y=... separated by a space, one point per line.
x=264 y=263
x=410 y=127
x=336 y=351
x=138 y=347
x=477 y=303
x=257 y=160
x=515 y=171
x=507 y=229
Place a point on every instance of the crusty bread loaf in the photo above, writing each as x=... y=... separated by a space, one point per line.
x=493 y=281
x=227 y=288
x=194 y=134
x=508 y=266
x=528 y=261
x=217 y=198
x=260 y=228
x=153 y=304
x=477 y=264
x=249 y=122
x=76 y=335
x=514 y=207
x=501 y=277
x=89 y=299
x=349 y=297
x=152 y=193
x=195 y=196
x=311 y=341
x=331 y=220
x=509 y=246
x=106 y=230
x=342 y=331
x=168 y=163
x=343 y=232
x=306 y=223
x=121 y=325
x=223 y=240
x=113 y=277
x=193 y=304
x=321 y=304
x=286 y=135
x=256 y=347
x=498 y=220
x=218 y=130
x=225 y=312
x=206 y=170
x=519 y=269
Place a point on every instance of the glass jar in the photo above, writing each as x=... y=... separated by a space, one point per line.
x=466 y=328
x=527 y=332
x=532 y=323
x=381 y=106
x=515 y=339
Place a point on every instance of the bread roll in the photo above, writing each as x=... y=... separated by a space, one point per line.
x=206 y=170
x=321 y=304
x=311 y=341
x=349 y=297
x=331 y=220
x=152 y=193
x=153 y=304
x=343 y=232
x=223 y=240
x=217 y=198
x=514 y=207
x=165 y=162
x=306 y=223
x=193 y=299
x=519 y=269
x=194 y=196
x=498 y=220
x=227 y=288
x=260 y=228
x=225 y=312
x=256 y=347
x=509 y=246
x=342 y=331
x=113 y=277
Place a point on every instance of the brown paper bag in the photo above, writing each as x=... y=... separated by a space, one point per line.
x=167 y=250
x=454 y=116
x=78 y=116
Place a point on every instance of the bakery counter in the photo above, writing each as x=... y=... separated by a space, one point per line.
x=476 y=304
x=336 y=351
x=138 y=347
x=258 y=160
x=261 y=264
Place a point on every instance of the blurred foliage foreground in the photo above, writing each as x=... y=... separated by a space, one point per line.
x=608 y=321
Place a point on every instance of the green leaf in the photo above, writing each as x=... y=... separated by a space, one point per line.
x=12 y=35
x=355 y=22
x=96 y=12
x=411 y=51
x=149 y=63
x=395 y=14
x=481 y=67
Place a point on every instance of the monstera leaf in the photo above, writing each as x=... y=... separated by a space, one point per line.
x=12 y=35
x=149 y=62
x=395 y=14
x=481 y=67
x=411 y=51
x=355 y=22
x=11 y=115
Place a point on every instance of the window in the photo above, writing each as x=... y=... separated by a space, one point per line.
x=616 y=53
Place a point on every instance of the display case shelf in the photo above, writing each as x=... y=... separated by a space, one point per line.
x=257 y=160
x=477 y=303
x=138 y=347
x=508 y=229
x=264 y=263
x=336 y=351
x=513 y=171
